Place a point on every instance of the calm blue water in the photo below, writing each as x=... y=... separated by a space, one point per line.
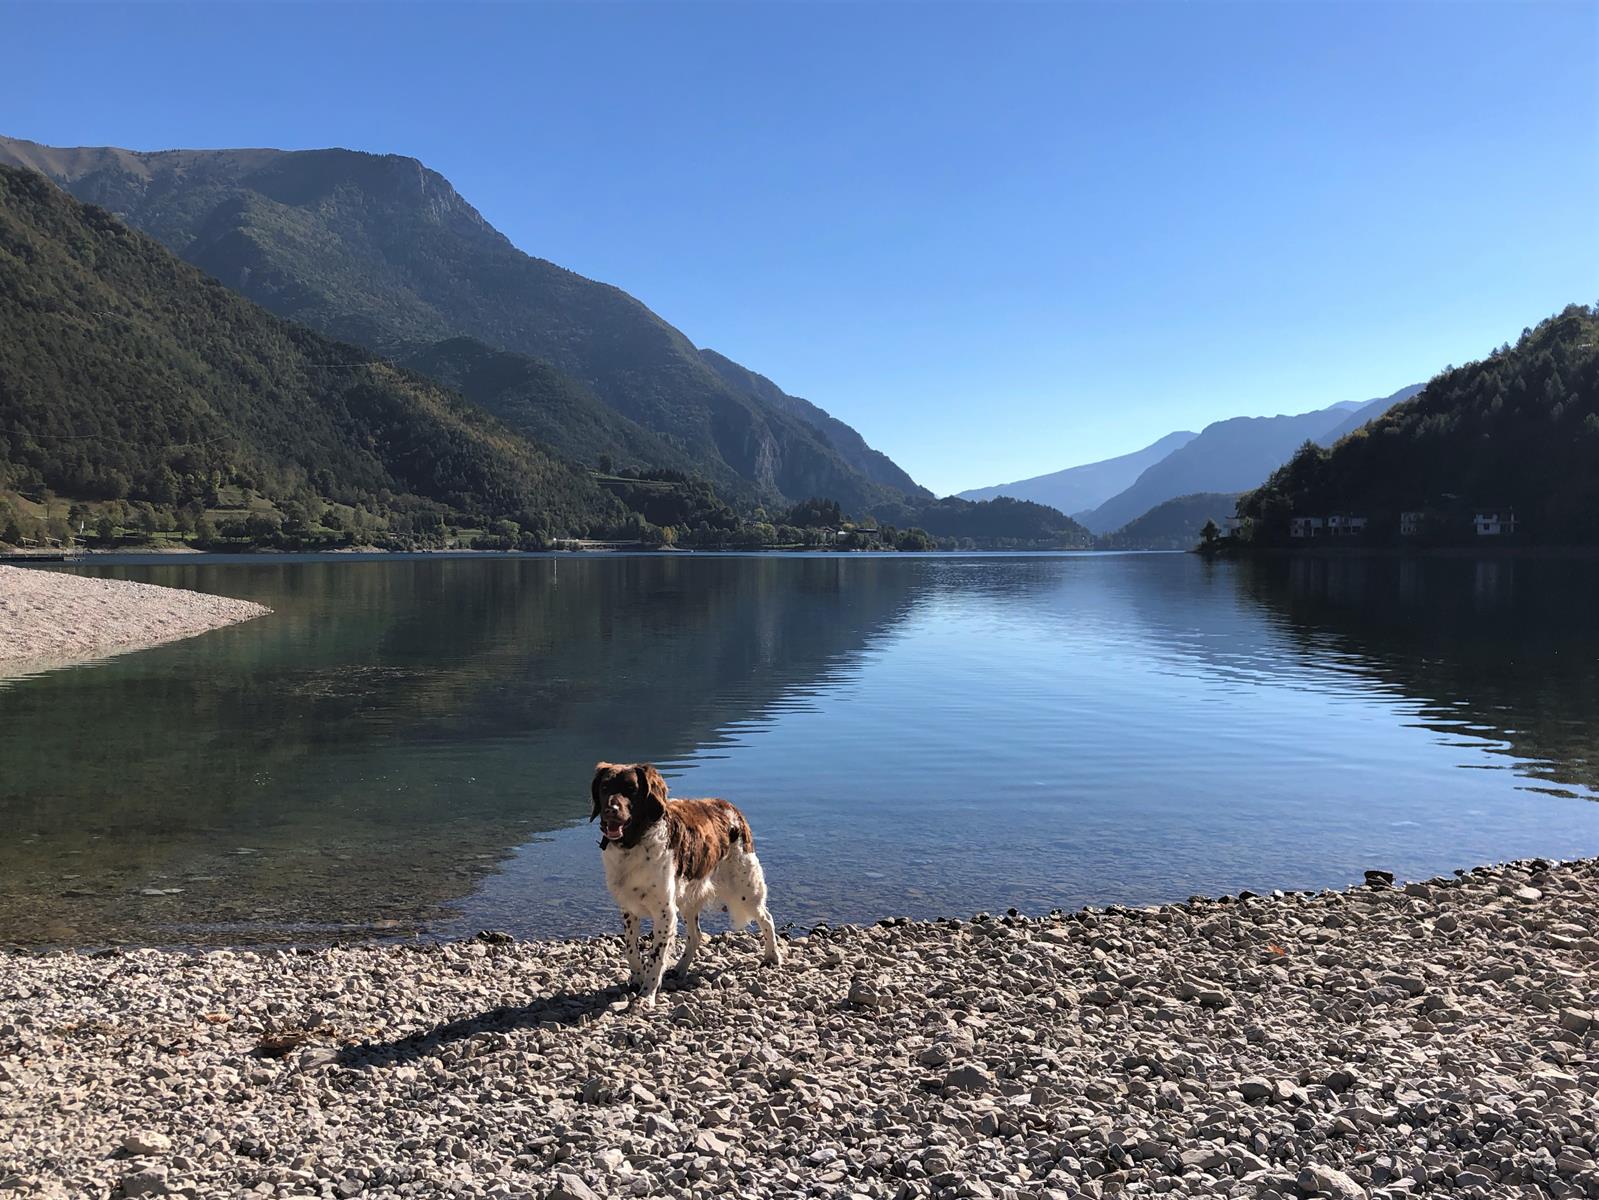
x=405 y=745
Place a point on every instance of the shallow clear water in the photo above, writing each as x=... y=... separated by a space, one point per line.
x=405 y=745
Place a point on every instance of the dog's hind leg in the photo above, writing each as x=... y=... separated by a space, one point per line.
x=747 y=902
x=773 y=955
x=696 y=937
x=635 y=965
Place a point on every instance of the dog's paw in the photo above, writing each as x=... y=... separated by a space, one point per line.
x=646 y=1000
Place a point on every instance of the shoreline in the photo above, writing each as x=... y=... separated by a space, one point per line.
x=1325 y=551
x=1380 y=1041
x=54 y=618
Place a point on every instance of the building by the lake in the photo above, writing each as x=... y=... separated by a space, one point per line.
x=1496 y=522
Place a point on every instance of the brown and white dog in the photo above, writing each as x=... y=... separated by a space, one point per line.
x=668 y=857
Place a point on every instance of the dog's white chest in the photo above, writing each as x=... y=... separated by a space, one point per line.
x=640 y=879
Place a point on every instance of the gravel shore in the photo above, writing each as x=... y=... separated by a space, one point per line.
x=1434 y=1038
x=49 y=618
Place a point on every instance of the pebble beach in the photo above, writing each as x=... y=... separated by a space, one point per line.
x=52 y=618
x=1426 y=1038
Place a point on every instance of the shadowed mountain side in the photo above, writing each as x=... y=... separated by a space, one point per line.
x=514 y=674
x=874 y=464
x=125 y=372
x=1364 y=414
x=382 y=251
x=1516 y=434
x=1078 y=489
x=538 y=401
x=1175 y=525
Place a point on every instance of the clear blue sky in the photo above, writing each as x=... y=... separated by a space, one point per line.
x=998 y=239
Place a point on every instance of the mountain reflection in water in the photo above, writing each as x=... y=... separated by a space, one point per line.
x=405 y=744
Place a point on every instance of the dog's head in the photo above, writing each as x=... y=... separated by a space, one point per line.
x=628 y=799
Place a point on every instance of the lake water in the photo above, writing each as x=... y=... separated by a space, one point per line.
x=405 y=745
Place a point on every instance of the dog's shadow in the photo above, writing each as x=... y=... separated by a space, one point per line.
x=562 y=1008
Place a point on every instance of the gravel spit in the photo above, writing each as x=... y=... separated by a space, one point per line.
x=1433 y=1038
x=49 y=618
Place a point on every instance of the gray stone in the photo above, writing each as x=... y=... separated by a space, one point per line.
x=144 y=1142
x=1329 y=1181
x=1411 y=984
x=969 y=1077
x=1575 y=1020
x=571 y=1187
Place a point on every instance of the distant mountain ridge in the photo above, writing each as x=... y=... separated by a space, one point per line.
x=382 y=251
x=1514 y=433
x=1079 y=489
x=1233 y=455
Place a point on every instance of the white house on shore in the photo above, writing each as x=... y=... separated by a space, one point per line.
x=1496 y=523
x=1304 y=527
x=1344 y=525
x=1411 y=523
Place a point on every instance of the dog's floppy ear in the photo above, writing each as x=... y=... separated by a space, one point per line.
x=601 y=769
x=651 y=788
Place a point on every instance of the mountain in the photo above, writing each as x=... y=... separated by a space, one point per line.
x=1078 y=489
x=382 y=251
x=1227 y=456
x=998 y=523
x=127 y=373
x=873 y=464
x=1173 y=525
x=538 y=401
x=1518 y=431
x=1361 y=414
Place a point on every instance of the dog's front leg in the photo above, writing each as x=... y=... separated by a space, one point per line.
x=635 y=965
x=663 y=940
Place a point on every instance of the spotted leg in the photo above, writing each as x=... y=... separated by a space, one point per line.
x=635 y=965
x=663 y=939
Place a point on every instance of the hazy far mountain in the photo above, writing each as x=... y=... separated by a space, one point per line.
x=1084 y=487
x=382 y=251
x=1230 y=456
